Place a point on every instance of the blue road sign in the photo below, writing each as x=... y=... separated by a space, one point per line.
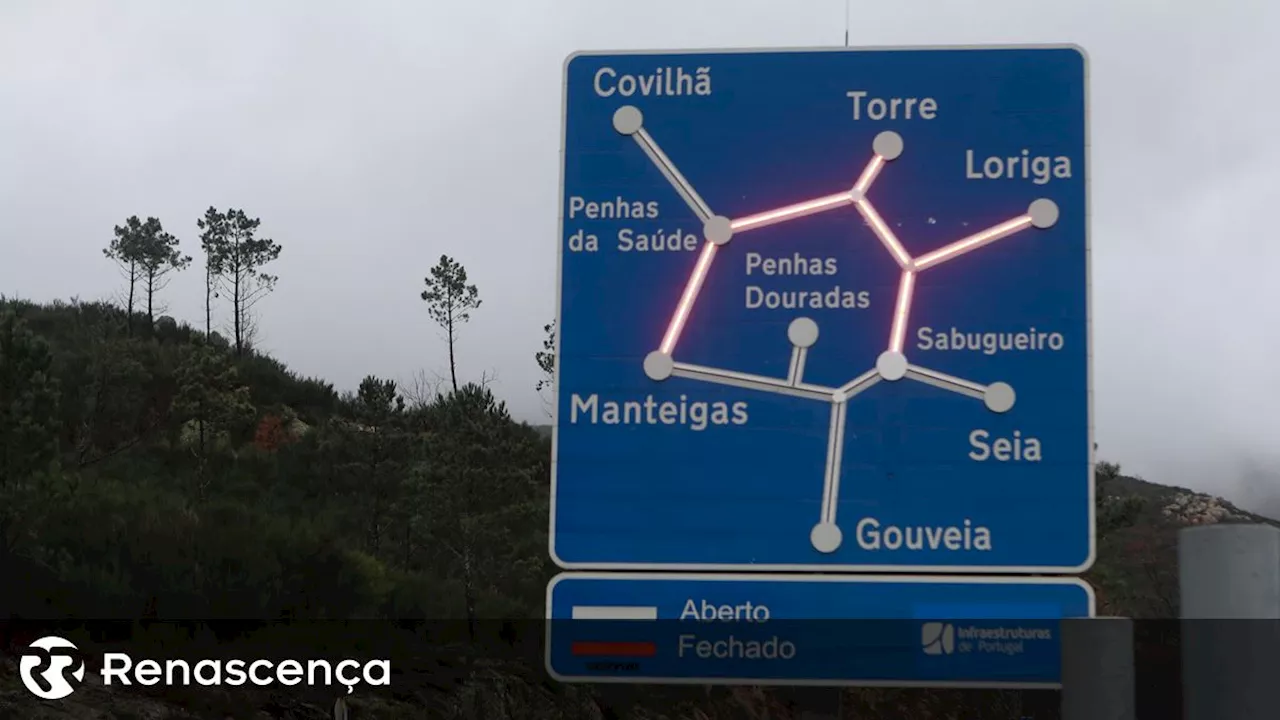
x=810 y=629
x=825 y=310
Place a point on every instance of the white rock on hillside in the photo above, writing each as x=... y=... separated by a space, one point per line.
x=1194 y=509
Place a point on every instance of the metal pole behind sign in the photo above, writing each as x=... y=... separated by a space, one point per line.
x=820 y=703
x=1230 y=590
x=1097 y=669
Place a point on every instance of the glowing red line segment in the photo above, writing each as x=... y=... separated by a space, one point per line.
x=690 y=294
x=615 y=649
x=902 y=311
x=869 y=174
x=973 y=242
x=882 y=231
x=808 y=207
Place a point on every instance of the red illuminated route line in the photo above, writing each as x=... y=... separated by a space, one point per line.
x=891 y=365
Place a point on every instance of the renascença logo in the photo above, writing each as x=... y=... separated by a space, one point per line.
x=119 y=667
x=49 y=666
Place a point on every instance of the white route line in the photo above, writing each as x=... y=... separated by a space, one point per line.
x=946 y=382
x=796 y=372
x=892 y=364
x=860 y=383
x=668 y=168
x=751 y=382
x=835 y=452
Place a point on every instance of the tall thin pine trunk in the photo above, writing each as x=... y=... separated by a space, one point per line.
x=453 y=367
x=209 y=278
x=151 y=293
x=469 y=594
x=235 y=306
x=133 y=282
x=208 y=299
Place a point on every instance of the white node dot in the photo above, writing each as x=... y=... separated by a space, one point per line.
x=891 y=365
x=839 y=396
x=627 y=120
x=802 y=332
x=826 y=537
x=658 y=365
x=999 y=397
x=1043 y=212
x=887 y=145
x=717 y=230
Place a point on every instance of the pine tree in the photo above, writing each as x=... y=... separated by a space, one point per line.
x=29 y=420
x=211 y=401
x=484 y=516
x=450 y=301
x=29 y=425
x=546 y=358
x=126 y=250
x=212 y=233
x=236 y=255
x=157 y=256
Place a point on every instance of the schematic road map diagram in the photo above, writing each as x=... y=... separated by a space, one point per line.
x=912 y=224
x=892 y=364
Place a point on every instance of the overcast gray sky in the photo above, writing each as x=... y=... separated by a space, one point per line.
x=372 y=136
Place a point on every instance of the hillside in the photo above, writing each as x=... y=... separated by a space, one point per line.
x=151 y=473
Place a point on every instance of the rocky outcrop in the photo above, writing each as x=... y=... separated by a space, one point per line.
x=1196 y=509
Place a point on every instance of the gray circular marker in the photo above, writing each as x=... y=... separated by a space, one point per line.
x=1043 y=212
x=887 y=145
x=658 y=365
x=826 y=537
x=627 y=120
x=891 y=365
x=999 y=397
x=717 y=230
x=802 y=332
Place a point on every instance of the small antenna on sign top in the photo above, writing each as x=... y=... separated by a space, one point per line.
x=846 y=22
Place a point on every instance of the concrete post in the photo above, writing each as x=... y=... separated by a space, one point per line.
x=1097 y=669
x=1230 y=592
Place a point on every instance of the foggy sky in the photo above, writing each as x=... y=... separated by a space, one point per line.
x=371 y=137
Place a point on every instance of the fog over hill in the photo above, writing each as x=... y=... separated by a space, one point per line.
x=364 y=111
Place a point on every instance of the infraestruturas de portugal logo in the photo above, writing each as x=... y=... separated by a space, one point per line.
x=943 y=638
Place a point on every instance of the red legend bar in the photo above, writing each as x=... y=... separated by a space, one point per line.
x=615 y=649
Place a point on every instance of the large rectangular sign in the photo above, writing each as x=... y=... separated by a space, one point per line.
x=825 y=310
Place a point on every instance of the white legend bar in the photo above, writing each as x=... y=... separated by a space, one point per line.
x=614 y=612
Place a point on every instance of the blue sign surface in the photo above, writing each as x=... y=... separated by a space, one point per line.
x=815 y=629
x=825 y=310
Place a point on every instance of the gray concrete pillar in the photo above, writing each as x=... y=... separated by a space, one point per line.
x=1229 y=577
x=1097 y=669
